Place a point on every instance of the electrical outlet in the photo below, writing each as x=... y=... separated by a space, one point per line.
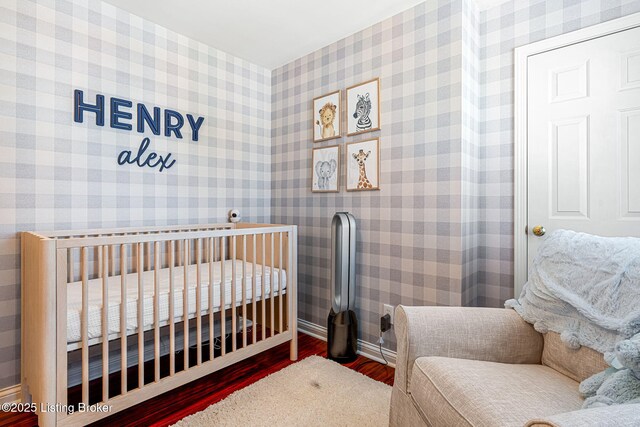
x=388 y=309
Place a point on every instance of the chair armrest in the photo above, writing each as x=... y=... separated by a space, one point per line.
x=491 y=334
x=606 y=416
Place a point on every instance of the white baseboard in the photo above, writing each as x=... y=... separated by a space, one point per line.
x=316 y=331
x=367 y=349
x=11 y=394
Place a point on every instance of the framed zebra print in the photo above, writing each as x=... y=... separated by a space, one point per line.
x=363 y=107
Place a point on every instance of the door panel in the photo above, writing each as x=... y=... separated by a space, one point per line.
x=584 y=138
x=630 y=161
x=630 y=70
x=569 y=168
x=569 y=83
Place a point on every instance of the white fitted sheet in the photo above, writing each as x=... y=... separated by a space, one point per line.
x=74 y=296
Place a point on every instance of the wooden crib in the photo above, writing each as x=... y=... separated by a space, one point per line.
x=206 y=296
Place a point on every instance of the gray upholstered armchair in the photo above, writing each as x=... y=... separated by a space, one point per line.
x=488 y=367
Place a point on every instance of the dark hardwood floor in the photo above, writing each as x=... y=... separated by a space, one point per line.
x=176 y=404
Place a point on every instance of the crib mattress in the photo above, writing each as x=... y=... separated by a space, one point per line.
x=74 y=296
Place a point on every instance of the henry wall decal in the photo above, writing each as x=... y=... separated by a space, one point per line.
x=120 y=117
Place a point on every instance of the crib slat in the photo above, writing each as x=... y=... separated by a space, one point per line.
x=179 y=249
x=61 y=354
x=85 y=325
x=263 y=282
x=272 y=284
x=212 y=251
x=99 y=258
x=292 y=293
x=140 y=257
x=185 y=304
x=105 y=323
x=156 y=310
x=123 y=319
x=70 y=277
x=223 y=308
x=147 y=248
x=244 y=291
x=253 y=290
x=172 y=325
x=233 y=293
x=198 y=301
x=112 y=259
x=280 y=286
x=205 y=249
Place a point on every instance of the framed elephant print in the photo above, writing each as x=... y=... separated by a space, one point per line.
x=327 y=113
x=325 y=171
x=363 y=165
x=363 y=107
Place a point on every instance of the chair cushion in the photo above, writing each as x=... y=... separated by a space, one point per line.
x=577 y=364
x=464 y=392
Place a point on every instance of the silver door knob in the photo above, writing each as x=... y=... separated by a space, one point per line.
x=539 y=230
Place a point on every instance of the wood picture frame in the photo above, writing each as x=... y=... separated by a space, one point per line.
x=363 y=107
x=362 y=164
x=327 y=116
x=325 y=169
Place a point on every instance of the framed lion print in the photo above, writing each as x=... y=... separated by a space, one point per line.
x=325 y=169
x=327 y=112
x=363 y=107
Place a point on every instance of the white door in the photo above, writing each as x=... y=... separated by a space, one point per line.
x=584 y=138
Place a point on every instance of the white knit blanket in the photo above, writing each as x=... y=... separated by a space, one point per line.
x=587 y=288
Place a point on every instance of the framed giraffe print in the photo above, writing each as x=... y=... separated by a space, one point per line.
x=327 y=117
x=363 y=107
x=363 y=165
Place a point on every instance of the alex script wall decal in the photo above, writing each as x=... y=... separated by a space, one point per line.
x=121 y=118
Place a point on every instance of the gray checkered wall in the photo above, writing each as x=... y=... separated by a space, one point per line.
x=470 y=197
x=409 y=233
x=57 y=174
x=502 y=29
x=440 y=231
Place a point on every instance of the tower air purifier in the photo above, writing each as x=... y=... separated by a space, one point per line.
x=342 y=328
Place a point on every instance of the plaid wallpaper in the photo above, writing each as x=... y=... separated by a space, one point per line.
x=502 y=29
x=409 y=233
x=57 y=174
x=470 y=196
x=440 y=230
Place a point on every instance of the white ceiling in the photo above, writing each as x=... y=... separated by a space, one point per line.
x=270 y=33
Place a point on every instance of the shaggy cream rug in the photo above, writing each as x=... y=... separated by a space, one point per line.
x=312 y=392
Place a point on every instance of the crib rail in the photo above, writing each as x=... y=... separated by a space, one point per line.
x=187 y=306
x=65 y=234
